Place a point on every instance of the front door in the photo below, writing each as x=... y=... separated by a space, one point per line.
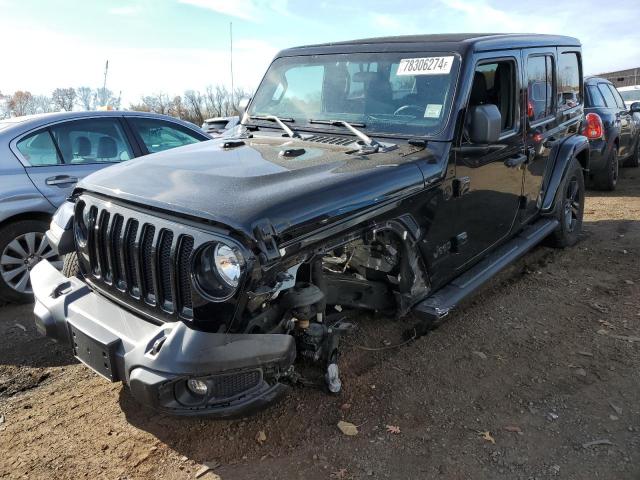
x=58 y=156
x=489 y=177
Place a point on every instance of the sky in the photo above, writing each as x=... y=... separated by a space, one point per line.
x=173 y=45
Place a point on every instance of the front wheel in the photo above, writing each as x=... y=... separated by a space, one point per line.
x=569 y=208
x=22 y=245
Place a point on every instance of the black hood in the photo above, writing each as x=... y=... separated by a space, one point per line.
x=241 y=186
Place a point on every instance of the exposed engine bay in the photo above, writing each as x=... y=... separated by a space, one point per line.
x=310 y=300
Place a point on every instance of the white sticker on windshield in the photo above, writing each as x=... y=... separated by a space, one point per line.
x=425 y=66
x=433 y=110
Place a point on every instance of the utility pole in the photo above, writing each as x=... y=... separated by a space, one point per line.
x=231 y=61
x=103 y=100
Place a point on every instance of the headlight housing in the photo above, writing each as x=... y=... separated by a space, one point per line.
x=218 y=269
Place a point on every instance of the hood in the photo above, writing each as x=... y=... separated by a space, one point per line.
x=242 y=186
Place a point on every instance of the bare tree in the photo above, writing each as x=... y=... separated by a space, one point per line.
x=42 y=104
x=64 y=98
x=21 y=103
x=4 y=106
x=194 y=106
x=86 y=98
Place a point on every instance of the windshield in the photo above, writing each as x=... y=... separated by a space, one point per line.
x=631 y=95
x=393 y=93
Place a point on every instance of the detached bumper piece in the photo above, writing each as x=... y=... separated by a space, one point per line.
x=169 y=367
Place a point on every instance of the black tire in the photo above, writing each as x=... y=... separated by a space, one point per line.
x=22 y=245
x=607 y=179
x=70 y=267
x=634 y=160
x=569 y=208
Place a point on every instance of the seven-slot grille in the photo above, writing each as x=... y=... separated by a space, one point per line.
x=141 y=259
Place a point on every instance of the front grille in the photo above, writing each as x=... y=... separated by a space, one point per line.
x=141 y=259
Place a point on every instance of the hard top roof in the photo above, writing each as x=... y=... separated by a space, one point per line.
x=450 y=41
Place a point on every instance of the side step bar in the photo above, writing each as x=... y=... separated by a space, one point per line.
x=441 y=302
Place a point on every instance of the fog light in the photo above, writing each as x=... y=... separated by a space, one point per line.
x=197 y=386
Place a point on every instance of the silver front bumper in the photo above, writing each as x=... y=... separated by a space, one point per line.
x=156 y=360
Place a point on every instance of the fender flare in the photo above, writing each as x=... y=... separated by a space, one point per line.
x=576 y=146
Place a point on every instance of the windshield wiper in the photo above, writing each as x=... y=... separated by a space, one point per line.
x=371 y=146
x=279 y=121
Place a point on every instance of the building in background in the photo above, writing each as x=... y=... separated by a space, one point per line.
x=623 y=78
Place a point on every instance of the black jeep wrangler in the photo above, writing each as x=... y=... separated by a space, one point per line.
x=391 y=174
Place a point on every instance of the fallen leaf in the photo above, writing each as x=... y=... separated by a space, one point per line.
x=487 y=436
x=513 y=429
x=261 y=437
x=342 y=473
x=393 y=429
x=629 y=282
x=345 y=406
x=347 y=428
x=480 y=355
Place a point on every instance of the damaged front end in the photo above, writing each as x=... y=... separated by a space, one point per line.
x=197 y=320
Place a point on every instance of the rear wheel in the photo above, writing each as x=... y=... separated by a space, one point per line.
x=607 y=179
x=22 y=245
x=569 y=207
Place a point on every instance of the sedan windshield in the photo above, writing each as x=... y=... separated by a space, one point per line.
x=391 y=93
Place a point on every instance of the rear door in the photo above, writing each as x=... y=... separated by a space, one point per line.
x=58 y=156
x=627 y=126
x=542 y=130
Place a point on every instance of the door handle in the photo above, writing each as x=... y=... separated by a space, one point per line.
x=61 y=180
x=516 y=161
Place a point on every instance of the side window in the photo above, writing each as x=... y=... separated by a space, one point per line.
x=609 y=99
x=94 y=140
x=617 y=97
x=595 y=97
x=540 y=87
x=159 y=135
x=494 y=83
x=568 y=81
x=39 y=149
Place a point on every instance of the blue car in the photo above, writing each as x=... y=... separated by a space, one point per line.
x=42 y=157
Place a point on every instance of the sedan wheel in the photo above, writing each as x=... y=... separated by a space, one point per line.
x=20 y=255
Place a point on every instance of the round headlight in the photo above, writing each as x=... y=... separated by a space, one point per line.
x=217 y=270
x=228 y=264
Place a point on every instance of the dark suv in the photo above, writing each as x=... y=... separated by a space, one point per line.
x=612 y=130
x=391 y=174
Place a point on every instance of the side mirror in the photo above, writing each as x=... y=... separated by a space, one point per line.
x=635 y=107
x=485 y=124
x=242 y=105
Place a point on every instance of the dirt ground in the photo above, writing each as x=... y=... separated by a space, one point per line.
x=546 y=360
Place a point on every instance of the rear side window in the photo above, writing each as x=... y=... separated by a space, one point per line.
x=540 y=87
x=39 y=149
x=159 y=136
x=607 y=94
x=94 y=140
x=617 y=96
x=568 y=81
x=595 y=98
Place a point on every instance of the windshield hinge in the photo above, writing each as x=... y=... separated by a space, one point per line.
x=265 y=234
